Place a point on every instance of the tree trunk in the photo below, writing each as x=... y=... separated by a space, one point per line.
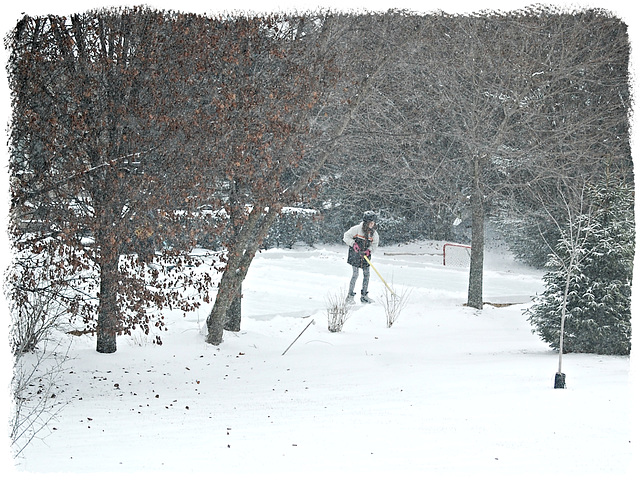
x=474 y=296
x=233 y=316
x=107 y=326
x=227 y=293
x=244 y=250
x=234 y=313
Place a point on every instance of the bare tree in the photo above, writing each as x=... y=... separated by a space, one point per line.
x=480 y=107
x=326 y=45
x=271 y=90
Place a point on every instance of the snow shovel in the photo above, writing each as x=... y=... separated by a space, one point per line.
x=385 y=282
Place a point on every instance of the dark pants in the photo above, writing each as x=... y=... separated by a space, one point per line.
x=365 y=280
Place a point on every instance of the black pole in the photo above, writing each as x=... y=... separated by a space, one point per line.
x=285 y=351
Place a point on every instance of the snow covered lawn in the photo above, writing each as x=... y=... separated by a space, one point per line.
x=446 y=390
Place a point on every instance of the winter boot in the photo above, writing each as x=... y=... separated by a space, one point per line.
x=365 y=299
x=350 y=298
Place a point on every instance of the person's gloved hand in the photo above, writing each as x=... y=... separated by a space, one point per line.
x=367 y=253
x=356 y=247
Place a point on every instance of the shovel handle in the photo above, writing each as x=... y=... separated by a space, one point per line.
x=385 y=282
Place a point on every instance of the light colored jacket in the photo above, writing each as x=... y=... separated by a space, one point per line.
x=357 y=231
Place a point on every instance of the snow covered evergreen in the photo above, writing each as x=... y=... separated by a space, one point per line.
x=598 y=301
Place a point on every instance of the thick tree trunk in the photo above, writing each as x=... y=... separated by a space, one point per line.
x=234 y=313
x=107 y=326
x=227 y=293
x=233 y=317
x=474 y=296
x=244 y=250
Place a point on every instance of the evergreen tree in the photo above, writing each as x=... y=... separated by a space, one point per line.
x=598 y=300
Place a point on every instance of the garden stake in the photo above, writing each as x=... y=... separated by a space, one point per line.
x=285 y=351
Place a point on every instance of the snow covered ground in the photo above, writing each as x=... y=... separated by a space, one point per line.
x=446 y=391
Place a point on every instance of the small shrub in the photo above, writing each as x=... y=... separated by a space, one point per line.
x=338 y=310
x=34 y=387
x=35 y=317
x=393 y=305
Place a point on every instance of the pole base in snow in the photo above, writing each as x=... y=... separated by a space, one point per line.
x=560 y=382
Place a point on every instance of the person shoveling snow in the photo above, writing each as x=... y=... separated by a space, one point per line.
x=362 y=240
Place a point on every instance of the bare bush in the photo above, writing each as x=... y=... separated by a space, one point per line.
x=33 y=387
x=393 y=305
x=35 y=320
x=338 y=310
x=40 y=313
